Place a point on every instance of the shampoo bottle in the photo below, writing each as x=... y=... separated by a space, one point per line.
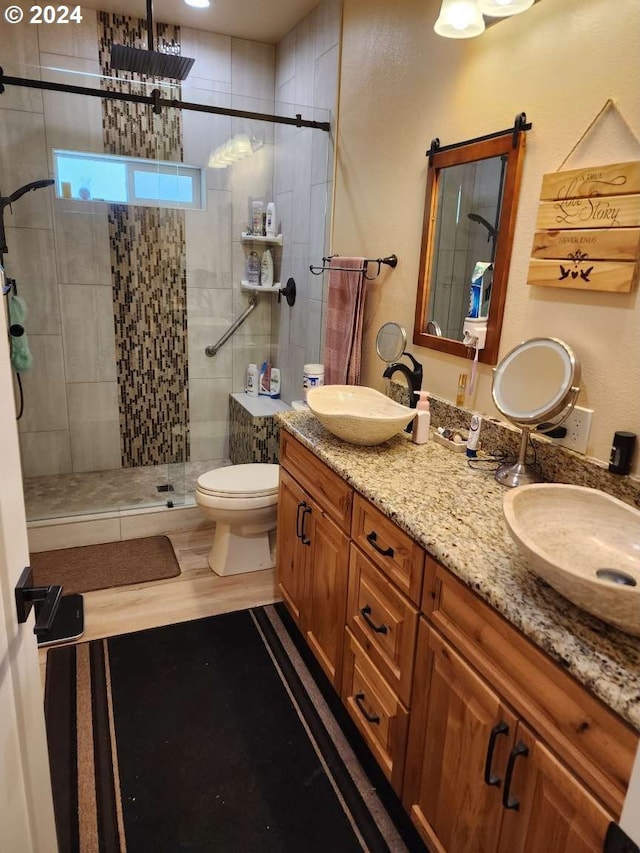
x=271 y=224
x=422 y=420
x=253 y=268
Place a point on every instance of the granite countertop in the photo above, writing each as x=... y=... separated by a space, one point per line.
x=455 y=513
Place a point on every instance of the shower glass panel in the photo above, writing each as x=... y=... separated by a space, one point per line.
x=123 y=409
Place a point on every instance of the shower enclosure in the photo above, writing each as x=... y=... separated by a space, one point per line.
x=132 y=263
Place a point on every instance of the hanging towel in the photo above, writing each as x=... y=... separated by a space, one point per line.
x=21 y=357
x=345 y=311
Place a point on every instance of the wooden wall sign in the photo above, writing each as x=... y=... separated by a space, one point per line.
x=588 y=229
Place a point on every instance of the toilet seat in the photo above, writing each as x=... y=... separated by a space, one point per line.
x=254 y=480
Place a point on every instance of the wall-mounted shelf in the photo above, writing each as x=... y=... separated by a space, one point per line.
x=254 y=238
x=259 y=288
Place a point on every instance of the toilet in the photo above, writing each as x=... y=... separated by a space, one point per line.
x=242 y=500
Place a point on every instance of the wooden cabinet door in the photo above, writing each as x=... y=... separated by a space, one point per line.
x=457 y=725
x=326 y=594
x=551 y=811
x=292 y=555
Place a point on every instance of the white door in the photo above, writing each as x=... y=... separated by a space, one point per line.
x=26 y=807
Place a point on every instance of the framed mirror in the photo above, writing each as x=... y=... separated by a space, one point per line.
x=469 y=219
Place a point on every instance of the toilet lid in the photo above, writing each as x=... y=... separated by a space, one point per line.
x=241 y=481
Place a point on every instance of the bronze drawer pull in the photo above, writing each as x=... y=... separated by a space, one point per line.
x=379 y=629
x=370 y=718
x=372 y=539
x=508 y=801
x=500 y=729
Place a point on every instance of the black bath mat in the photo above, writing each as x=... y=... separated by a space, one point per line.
x=200 y=737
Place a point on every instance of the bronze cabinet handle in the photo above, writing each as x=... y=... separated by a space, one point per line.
x=500 y=729
x=303 y=536
x=372 y=539
x=370 y=718
x=379 y=629
x=508 y=801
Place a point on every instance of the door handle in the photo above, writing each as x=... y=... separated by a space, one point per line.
x=370 y=718
x=508 y=801
x=372 y=539
x=379 y=629
x=500 y=729
x=303 y=536
x=45 y=598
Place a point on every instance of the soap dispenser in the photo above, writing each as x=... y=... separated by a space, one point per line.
x=422 y=420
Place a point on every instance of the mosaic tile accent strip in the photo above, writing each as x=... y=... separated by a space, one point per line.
x=557 y=464
x=251 y=438
x=148 y=265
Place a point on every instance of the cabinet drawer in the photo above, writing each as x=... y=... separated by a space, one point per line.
x=331 y=492
x=383 y=621
x=594 y=742
x=388 y=547
x=376 y=710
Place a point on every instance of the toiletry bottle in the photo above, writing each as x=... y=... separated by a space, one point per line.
x=252 y=380
x=253 y=268
x=422 y=420
x=265 y=378
x=474 y=433
x=271 y=229
x=462 y=389
x=257 y=218
x=274 y=388
x=266 y=269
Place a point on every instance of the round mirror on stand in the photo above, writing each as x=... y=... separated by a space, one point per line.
x=391 y=341
x=535 y=386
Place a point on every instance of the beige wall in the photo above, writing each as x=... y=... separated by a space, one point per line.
x=401 y=85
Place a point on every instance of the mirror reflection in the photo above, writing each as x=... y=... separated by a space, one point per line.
x=391 y=341
x=469 y=200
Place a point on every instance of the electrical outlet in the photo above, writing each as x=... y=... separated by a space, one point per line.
x=578 y=426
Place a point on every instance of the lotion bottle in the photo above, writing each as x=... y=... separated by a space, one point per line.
x=266 y=269
x=422 y=420
x=252 y=380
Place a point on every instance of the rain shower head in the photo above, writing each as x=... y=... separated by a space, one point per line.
x=151 y=62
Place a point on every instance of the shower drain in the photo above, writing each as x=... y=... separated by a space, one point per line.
x=616 y=576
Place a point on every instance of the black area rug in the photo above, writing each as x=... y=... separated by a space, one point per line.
x=202 y=736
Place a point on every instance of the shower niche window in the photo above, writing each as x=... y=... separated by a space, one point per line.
x=128 y=180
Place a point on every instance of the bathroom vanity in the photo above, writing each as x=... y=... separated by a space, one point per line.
x=505 y=718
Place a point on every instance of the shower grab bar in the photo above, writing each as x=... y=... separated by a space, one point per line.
x=212 y=350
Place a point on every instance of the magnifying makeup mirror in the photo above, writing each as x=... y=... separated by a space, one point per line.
x=535 y=386
x=391 y=341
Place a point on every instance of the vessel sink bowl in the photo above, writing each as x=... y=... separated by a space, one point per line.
x=584 y=543
x=358 y=414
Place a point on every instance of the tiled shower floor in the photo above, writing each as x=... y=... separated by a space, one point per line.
x=60 y=495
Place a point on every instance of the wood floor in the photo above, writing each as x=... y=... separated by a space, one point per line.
x=195 y=593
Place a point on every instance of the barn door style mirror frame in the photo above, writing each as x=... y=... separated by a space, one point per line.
x=469 y=217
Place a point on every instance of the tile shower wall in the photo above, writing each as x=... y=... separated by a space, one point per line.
x=307 y=66
x=148 y=269
x=61 y=253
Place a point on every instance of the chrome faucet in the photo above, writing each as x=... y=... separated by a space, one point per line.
x=413 y=377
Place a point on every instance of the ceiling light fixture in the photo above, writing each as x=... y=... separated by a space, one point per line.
x=198 y=4
x=459 y=19
x=504 y=8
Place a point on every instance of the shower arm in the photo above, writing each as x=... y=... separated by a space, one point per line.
x=212 y=350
